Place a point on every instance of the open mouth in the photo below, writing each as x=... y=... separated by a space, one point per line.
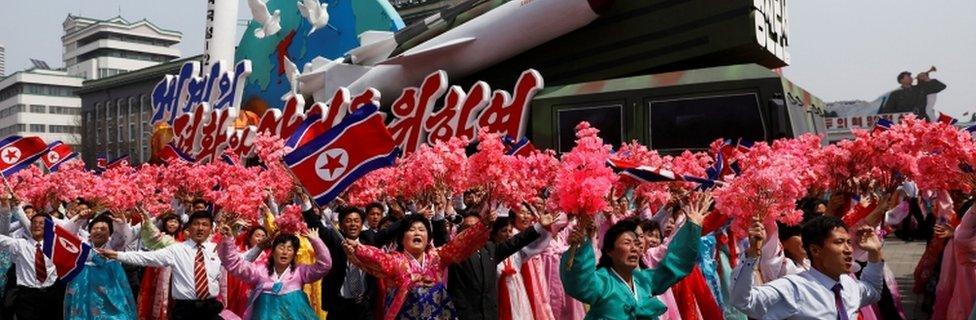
x=417 y=241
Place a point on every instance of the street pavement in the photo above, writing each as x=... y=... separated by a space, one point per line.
x=902 y=257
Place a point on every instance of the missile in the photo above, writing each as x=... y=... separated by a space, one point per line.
x=485 y=40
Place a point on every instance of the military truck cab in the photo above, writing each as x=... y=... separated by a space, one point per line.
x=674 y=111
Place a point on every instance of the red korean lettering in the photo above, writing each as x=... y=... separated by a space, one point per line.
x=508 y=115
x=412 y=109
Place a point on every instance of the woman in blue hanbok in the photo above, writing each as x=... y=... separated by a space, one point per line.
x=101 y=290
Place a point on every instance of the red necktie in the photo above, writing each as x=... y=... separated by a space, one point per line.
x=200 y=274
x=40 y=268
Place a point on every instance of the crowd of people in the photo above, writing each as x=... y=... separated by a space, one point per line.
x=467 y=255
x=463 y=259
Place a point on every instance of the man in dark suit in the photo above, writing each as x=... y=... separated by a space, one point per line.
x=347 y=291
x=473 y=283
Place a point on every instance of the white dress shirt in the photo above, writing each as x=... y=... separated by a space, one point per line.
x=23 y=254
x=181 y=258
x=806 y=295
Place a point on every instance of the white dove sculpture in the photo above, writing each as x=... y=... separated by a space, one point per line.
x=270 y=23
x=316 y=13
x=291 y=74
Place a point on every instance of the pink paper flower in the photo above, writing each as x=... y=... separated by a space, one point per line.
x=583 y=181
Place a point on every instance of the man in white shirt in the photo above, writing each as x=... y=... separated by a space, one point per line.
x=827 y=291
x=37 y=294
x=195 y=268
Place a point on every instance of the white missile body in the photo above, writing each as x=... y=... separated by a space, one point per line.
x=487 y=40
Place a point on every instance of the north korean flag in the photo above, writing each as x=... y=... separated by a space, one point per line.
x=947 y=119
x=66 y=250
x=882 y=125
x=18 y=152
x=170 y=153
x=120 y=161
x=57 y=153
x=328 y=163
x=523 y=147
x=312 y=127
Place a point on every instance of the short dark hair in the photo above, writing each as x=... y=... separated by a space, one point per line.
x=405 y=225
x=785 y=232
x=200 y=201
x=250 y=234
x=283 y=239
x=500 y=223
x=28 y=207
x=373 y=205
x=903 y=74
x=166 y=218
x=346 y=211
x=610 y=238
x=817 y=230
x=40 y=214
x=80 y=201
x=200 y=214
x=647 y=225
x=390 y=219
x=106 y=218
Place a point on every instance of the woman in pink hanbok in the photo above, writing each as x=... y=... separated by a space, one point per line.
x=656 y=248
x=956 y=291
x=563 y=306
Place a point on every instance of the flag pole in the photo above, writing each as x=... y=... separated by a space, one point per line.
x=298 y=182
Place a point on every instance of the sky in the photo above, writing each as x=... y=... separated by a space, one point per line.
x=840 y=49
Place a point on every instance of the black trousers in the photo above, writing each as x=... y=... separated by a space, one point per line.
x=351 y=309
x=40 y=304
x=196 y=309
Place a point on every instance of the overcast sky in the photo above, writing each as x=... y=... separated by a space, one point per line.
x=841 y=50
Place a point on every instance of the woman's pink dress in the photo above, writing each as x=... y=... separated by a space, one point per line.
x=956 y=291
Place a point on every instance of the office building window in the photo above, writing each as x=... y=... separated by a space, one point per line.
x=65 y=110
x=36 y=108
x=64 y=129
x=37 y=128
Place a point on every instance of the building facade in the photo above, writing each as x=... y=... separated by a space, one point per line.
x=95 y=49
x=115 y=113
x=3 y=59
x=41 y=103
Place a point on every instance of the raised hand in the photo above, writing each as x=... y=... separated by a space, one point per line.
x=584 y=229
x=695 y=210
x=225 y=230
x=757 y=236
x=870 y=242
x=545 y=218
x=312 y=233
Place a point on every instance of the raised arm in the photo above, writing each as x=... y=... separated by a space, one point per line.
x=121 y=236
x=581 y=281
x=678 y=262
x=375 y=261
x=932 y=86
x=158 y=258
x=515 y=243
x=235 y=264
x=537 y=246
x=464 y=244
x=323 y=260
x=772 y=259
x=152 y=238
x=757 y=301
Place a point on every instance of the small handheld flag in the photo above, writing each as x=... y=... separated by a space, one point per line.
x=66 y=250
x=57 y=154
